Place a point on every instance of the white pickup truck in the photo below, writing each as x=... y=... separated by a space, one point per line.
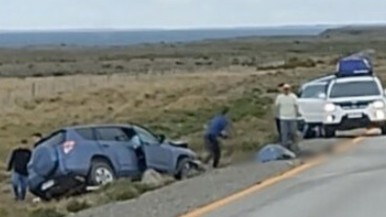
x=354 y=102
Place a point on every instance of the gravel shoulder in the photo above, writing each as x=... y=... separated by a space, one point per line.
x=183 y=196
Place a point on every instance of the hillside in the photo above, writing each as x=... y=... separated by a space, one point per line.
x=355 y=31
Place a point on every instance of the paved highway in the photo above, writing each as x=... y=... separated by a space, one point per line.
x=349 y=185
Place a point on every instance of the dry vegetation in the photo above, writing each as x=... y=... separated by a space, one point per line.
x=151 y=86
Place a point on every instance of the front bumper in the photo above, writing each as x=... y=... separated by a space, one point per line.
x=348 y=122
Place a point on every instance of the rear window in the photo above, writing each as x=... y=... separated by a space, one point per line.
x=86 y=133
x=354 y=89
x=313 y=91
x=54 y=139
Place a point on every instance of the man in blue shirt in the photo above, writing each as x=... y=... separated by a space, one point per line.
x=216 y=129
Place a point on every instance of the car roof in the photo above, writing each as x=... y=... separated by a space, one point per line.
x=97 y=126
x=355 y=78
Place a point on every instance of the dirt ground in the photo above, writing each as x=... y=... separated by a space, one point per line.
x=173 y=89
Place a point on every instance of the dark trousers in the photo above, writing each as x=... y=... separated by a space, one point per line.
x=212 y=145
x=141 y=159
x=278 y=128
x=19 y=184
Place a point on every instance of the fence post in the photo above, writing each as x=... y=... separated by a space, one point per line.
x=33 y=91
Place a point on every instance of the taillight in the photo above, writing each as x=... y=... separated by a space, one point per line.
x=68 y=146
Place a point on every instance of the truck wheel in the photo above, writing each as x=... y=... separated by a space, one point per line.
x=101 y=173
x=183 y=168
x=383 y=129
x=329 y=132
x=309 y=134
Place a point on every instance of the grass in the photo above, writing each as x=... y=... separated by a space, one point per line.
x=153 y=89
x=46 y=212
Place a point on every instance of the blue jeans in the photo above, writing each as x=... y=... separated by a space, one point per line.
x=288 y=134
x=20 y=185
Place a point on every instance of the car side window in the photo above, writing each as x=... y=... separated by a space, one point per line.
x=54 y=139
x=115 y=134
x=86 y=133
x=145 y=136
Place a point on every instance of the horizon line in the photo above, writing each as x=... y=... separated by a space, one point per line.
x=192 y=28
x=179 y=28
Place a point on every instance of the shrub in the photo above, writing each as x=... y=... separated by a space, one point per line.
x=75 y=206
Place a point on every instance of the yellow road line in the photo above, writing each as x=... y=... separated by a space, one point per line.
x=271 y=181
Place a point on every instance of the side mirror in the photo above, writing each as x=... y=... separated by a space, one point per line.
x=161 y=138
x=384 y=91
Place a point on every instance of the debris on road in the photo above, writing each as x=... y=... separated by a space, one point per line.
x=273 y=152
x=154 y=179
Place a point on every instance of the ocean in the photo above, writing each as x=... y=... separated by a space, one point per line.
x=130 y=37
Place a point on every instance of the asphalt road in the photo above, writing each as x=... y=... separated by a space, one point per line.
x=350 y=185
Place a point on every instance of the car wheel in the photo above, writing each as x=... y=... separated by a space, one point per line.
x=383 y=129
x=101 y=173
x=309 y=134
x=184 y=168
x=329 y=132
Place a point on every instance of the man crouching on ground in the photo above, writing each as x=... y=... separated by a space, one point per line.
x=288 y=111
x=219 y=127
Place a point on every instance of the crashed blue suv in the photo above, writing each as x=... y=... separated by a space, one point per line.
x=71 y=158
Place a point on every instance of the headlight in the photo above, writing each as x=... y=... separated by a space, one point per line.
x=329 y=107
x=379 y=104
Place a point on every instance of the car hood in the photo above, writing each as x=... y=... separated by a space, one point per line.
x=178 y=144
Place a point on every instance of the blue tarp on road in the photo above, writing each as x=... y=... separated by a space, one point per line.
x=274 y=152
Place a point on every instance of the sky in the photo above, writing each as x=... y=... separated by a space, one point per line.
x=174 y=14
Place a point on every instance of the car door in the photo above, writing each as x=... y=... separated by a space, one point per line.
x=115 y=143
x=311 y=103
x=158 y=156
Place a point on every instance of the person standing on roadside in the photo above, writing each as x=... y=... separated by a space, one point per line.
x=277 y=116
x=18 y=166
x=36 y=137
x=218 y=127
x=288 y=112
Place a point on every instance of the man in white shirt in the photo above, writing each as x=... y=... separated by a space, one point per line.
x=288 y=111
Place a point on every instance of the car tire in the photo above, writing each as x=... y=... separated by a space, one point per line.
x=101 y=173
x=309 y=134
x=329 y=132
x=383 y=129
x=184 y=168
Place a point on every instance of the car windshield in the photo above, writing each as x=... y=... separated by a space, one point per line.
x=354 y=89
x=313 y=91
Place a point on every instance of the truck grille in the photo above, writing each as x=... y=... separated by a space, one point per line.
x=354 y=105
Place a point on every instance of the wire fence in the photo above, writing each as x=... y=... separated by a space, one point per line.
x=15 y=93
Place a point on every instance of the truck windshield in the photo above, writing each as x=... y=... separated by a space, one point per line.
x=354 y=89
x=313 y=91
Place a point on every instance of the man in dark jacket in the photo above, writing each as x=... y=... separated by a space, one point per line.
x=216 y=129
x=18 y=165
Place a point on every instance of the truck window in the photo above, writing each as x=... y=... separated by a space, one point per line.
x=354 y=89
x=313 y=91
